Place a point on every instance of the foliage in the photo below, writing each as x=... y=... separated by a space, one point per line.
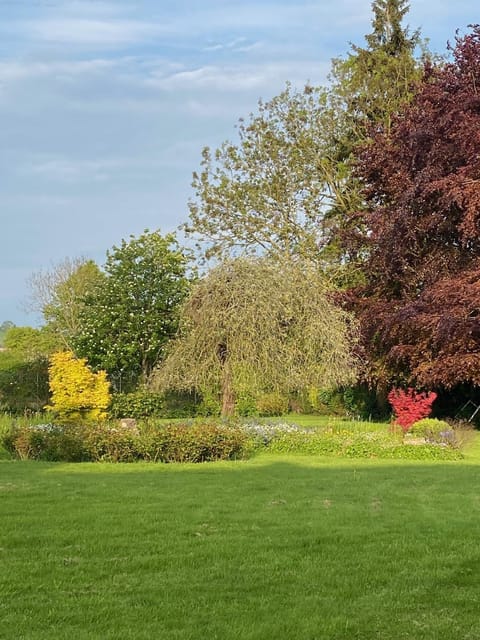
x=24 y=368
x=269 y=191
x=4 y=327
x=255 y=324
x=77 y=392
x=433 y=430
x=272 y=404
x=373 y=83
x=128 y=319
x=137 y=404
x=368 y=89
x=419 y=306
x=28 y=344
x=286 y=187
x=246 y=404
x=59 y=295
x=198 y=442
x=358 y=444
x=410 y=406
x=23 y=384
x=210 y=405
x=46 y=442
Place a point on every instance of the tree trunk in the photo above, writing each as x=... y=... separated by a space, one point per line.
x=228 y=395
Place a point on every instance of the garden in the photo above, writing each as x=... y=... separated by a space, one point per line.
x=269 y=445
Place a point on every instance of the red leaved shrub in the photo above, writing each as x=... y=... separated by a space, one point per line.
x=410 y=406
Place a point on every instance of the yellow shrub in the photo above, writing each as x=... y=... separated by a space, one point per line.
x=77 y=392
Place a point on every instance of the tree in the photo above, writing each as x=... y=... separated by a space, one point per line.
x=269 y=192
x=259 y=325
x=369 y=88
x=28 y=344
x=76 y=391
x=59 y=295
x=419 y=307
x=23 y=368
x=286 y=188
x=23 y=384
x=128 y=318
x=372 y=84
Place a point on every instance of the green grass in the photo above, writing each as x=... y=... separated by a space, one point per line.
x=277 y=547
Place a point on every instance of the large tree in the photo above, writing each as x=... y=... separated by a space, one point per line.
x=420 y=306
x=286 y=187
x=373 y=82
x=129 y=317
x=268 y=193
x=369 y=87
x=259 y=325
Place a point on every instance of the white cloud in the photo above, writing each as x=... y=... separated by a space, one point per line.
x=16 y=70
x=210 y=77
x=90 y=32
x=235 y=78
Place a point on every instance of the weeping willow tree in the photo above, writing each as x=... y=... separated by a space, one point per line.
x=259 y=325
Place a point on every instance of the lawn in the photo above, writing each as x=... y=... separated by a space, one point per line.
x=275 y=547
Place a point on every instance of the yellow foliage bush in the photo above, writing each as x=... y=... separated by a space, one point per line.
x=77 y=392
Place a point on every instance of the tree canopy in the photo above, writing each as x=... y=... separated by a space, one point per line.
x=257 y=324
x=286 y=188
x=128 y=318
x=59 y=293
x=268 y=193
x=419 y=307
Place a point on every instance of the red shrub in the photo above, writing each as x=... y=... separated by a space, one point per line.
x=410 y=406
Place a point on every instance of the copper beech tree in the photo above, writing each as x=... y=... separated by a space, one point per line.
x=420 y=233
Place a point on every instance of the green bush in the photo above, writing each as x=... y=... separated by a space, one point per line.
x=358 y=445
x=246 y=405
x=198 y=442
x=23 y=385
x=179 y=404
x=46 y=442
x=434 y=431
x=138 y=404
x=209 y=406
x=272 y=404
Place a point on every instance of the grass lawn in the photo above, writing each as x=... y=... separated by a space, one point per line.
x=273 y=548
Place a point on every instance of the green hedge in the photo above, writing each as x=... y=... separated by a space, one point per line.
x=208 y=441
x=170 y=443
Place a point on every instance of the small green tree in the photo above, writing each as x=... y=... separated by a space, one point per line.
x=23 y=384
x=59 y=295
x=128 y=318
x=253 y=324
x=29 y=343
x=23 y=368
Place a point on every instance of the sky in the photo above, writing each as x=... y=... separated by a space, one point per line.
x=106 y=105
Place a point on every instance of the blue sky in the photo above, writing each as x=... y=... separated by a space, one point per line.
x=105 y=107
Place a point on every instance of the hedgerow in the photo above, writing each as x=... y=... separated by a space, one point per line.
x=202 y=442
x=209 y=441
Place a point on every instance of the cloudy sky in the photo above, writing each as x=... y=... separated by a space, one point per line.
x=105 y=107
